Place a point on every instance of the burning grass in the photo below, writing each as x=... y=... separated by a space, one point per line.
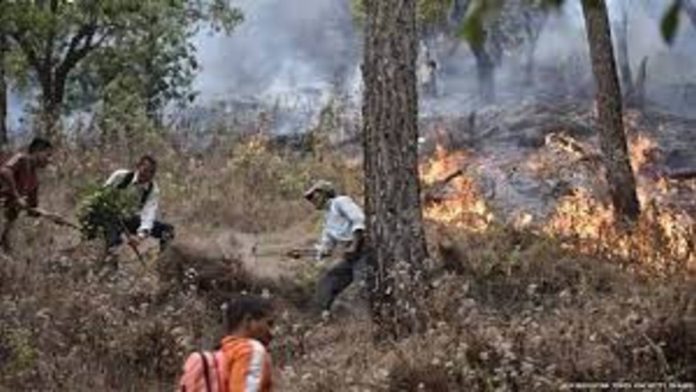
x=662 y=240
x=462 y=204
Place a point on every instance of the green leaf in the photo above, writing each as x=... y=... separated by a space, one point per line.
x=670 y=22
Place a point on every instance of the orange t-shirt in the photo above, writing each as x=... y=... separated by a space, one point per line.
x=249 y=365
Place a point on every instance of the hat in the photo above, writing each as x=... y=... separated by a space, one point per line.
x=321 y=185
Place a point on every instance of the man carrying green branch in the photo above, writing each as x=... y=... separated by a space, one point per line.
x=128 y=203
x=19 y=184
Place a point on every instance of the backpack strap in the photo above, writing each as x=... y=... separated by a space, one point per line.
x=206 y=372
x=218 y=373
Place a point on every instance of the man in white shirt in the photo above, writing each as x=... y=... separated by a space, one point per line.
x=144 y=224
x=344 y=224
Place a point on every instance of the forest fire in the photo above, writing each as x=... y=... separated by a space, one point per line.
x=640 y=149
x=581 y=219
x=462 y=206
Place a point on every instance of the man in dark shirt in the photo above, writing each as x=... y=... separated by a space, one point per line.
x=19 y=183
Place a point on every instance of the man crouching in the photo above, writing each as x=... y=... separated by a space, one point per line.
x=143 y=224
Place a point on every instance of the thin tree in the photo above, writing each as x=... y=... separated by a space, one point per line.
x=622 y=185
x=3 y=91
x=390 y=131
x=3 y=81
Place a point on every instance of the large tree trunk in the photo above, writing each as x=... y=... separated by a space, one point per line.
x=51 y=106
x=392 y=188
x=622 y=186
x=3 y=91
x=53 y=81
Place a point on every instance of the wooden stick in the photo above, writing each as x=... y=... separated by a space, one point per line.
x=130 y=244
x=55 y=218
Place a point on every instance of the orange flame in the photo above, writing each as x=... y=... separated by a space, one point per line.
x=662 y=239
x=463 y=205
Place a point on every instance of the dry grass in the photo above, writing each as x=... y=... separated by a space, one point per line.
x=508 y=309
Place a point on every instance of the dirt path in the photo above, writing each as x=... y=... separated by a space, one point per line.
x=264 y=255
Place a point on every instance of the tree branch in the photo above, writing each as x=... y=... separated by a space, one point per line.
x=84 y=36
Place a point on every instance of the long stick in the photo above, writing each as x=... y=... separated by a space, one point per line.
x=55 y=218
x=128 y=240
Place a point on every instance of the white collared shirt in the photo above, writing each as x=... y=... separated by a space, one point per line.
x=341 y=219
x=148 y=211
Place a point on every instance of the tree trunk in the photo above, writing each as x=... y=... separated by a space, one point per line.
x=529 y=63
x=3 y=92
x=51 y=104
x=636 y=99
x=534 y=21
x=52 y=96
x=619 y=175
x=485 y=71
x=392 y=187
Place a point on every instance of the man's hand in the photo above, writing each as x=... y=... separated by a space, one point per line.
x=352 y=250
x=355 y=245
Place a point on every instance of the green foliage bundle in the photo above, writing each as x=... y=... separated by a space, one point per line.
x=102 y=208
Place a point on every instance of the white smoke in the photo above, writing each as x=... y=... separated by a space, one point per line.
x=282 y=46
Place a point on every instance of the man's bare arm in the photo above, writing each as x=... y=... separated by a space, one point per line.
x=7 y=177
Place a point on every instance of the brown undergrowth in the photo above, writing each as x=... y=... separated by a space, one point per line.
x=507 y=309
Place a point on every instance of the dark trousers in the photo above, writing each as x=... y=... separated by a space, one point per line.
x=340 y=276
x=164 y=232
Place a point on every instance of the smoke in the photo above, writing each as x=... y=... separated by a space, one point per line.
x=288 y=58
x=283 y=46
x=292 y=56
x=17 y=107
